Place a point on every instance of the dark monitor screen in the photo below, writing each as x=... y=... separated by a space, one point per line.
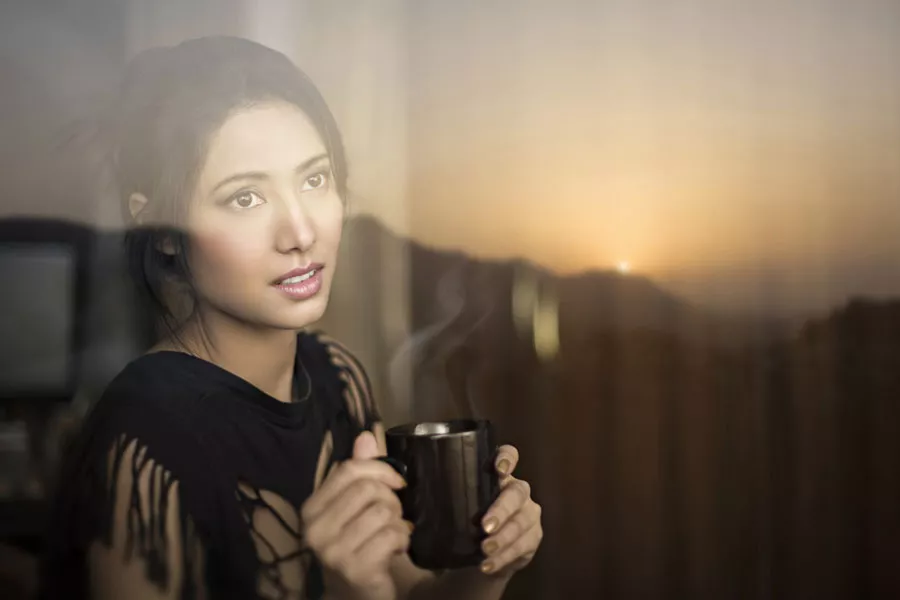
x=36 y=318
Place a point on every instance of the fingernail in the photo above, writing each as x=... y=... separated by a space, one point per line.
x=503 y=467
x=487 y=567
x=490 y=525
x=490 y=547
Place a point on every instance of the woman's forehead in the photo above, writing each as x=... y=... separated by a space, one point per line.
x=273 y=137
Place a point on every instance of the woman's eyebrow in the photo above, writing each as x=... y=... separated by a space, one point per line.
x=260 y=176
x=310 y=162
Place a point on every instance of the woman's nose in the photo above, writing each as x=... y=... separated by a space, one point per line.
x=294 y=229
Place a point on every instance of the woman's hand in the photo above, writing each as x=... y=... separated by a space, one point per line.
x=354 y=524
x=513 y=522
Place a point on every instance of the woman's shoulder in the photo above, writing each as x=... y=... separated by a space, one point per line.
x=139 y=418
x=137 y=463
x=164 y=380
x=155 y=396
x=167 y=370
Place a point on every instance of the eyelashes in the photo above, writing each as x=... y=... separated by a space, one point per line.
x=318 y=180
x=247 y=199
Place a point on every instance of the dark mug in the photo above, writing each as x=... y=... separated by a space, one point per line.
x=451 y=482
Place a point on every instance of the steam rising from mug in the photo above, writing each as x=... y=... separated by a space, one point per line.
x=418 y=370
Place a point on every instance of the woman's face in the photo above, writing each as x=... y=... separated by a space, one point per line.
x=265 y=220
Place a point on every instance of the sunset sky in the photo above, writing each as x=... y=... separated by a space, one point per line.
x=744 y=154
x=733 y=150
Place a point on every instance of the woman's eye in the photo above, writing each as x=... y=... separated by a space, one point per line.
x=243 y=200
x=315 y=182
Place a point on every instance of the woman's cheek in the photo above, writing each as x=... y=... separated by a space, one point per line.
x=331 y=223
x=222 y=255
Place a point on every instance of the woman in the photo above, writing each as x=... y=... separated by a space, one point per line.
x=236 y=458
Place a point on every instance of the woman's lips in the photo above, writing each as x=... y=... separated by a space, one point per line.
x=304 y=286
x=299 y=272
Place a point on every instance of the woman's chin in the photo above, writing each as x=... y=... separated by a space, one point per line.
x=278 y=315
x=301 y=315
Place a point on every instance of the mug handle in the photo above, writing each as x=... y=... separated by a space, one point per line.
x=394 y=464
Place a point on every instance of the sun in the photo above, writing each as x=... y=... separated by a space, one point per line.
x=623 y=267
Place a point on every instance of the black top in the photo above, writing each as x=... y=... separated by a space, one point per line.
x=195 y=478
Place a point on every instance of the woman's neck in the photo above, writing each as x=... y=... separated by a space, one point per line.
x=263 y=357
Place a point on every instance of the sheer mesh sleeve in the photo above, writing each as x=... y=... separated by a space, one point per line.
x=135 y=511
x=151 y=549
x=358 y=389
x=358 y=393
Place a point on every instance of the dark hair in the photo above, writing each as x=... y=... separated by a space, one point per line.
x=171 y=102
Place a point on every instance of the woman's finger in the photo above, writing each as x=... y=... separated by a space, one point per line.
x=329 y=523
x=521 y=522
x=368 y=523
x=506 y=461
x=513 y=497
x=521 y=550
x=344 y=475
x=378 y=549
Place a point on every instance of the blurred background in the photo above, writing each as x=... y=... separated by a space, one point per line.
x=657 y=243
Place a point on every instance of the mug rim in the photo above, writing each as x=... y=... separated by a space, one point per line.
x=457 y=428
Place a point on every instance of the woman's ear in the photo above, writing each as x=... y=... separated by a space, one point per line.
x=137 y=206
x=166 y=246
x=137 y=203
